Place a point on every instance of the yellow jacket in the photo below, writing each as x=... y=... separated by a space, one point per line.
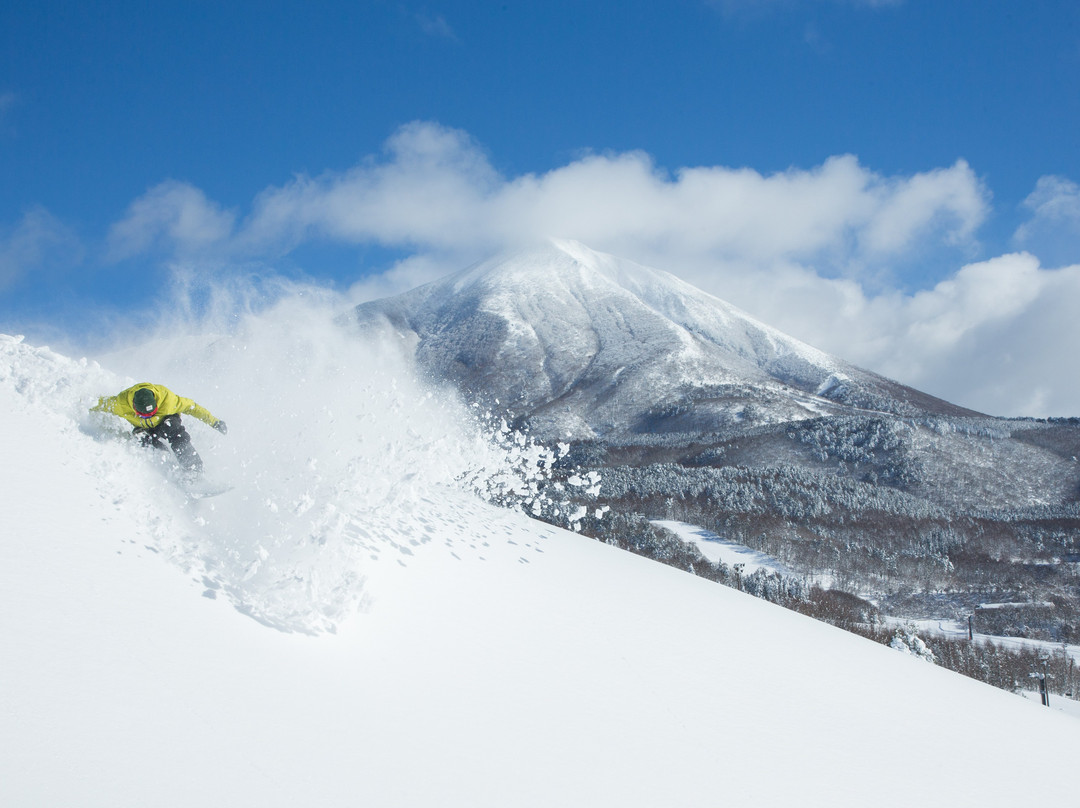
x=168 y=404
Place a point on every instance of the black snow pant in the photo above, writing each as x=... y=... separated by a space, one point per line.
x=172 y=429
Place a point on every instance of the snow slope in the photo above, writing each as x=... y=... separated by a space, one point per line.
x=718 y=549
x=477 y=657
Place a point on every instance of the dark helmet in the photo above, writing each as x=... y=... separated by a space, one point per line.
x=145 y=402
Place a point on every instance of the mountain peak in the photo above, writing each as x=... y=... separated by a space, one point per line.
x=550 y=263
x=580 y=343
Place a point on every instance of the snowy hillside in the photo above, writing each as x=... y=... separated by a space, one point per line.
x=583 y=343
x=479 y=658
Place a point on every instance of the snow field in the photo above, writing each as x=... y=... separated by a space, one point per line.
x=496 y=660
x=718 y=549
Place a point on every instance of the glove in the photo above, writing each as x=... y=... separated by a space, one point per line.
x=220 y=427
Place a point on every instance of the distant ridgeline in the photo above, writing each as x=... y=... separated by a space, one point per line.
x=692 y=410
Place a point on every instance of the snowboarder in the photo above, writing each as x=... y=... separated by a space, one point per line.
x=155 y=411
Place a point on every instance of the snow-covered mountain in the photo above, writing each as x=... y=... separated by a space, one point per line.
x=584 y=344
x=690 y=409
x=480 y=658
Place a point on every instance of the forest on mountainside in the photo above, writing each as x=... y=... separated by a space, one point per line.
x=865 y=515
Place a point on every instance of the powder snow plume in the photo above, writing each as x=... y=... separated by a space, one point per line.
x=339 y=457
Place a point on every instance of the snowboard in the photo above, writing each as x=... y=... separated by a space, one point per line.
x=194 y=485
x=203 y=488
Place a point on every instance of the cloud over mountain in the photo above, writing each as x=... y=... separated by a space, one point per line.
x=435 y=188
x=818 y=252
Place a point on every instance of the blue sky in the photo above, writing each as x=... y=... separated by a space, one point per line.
x=860 y=173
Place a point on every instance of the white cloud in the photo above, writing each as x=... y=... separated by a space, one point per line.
x=951 y=198
x=410 y=272
x=998 y=336
x=435 y=25
x=801 y=249
x=429 y=190
x=175 y=216
x=1052 y=229
x=995 y=290
x=435 y=189
x=39 y=242
x=1055 y=203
